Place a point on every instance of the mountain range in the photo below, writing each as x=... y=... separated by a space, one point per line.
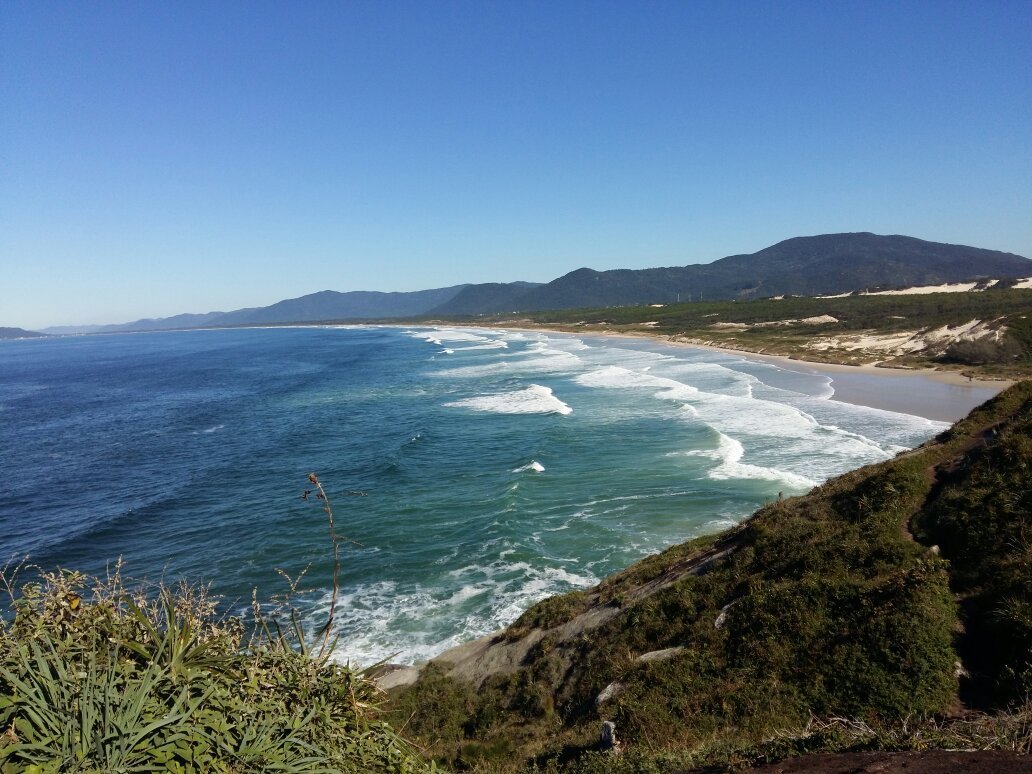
x=19 y=333
x=803 y=266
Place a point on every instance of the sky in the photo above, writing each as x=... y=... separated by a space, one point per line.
x=158 y=158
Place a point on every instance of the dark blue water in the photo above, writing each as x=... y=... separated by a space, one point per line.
x=476 y=471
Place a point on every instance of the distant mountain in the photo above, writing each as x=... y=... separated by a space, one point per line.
x=497 y=296
x=354 y=305
x=804 y=266
x=325 y=305
x=20 y=333
x=73 y=330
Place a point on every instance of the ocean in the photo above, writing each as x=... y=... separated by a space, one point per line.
x=473 y=472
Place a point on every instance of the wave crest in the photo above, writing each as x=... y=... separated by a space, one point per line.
x=535 y=399
x=534 y=465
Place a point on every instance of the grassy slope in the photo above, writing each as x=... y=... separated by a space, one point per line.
x=827 y=602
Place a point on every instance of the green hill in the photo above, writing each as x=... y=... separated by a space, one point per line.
x=803 y=266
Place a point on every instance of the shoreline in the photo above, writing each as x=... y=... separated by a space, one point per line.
x=944 y=396
x=955 y=395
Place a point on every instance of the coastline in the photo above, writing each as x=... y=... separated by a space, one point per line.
x=944 y=396
x=940 y=395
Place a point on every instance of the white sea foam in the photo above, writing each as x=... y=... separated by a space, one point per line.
x=473 y=372
x=489 y=345
x=377 y=621
x=533 y=465
x=447 y=351
x=762 y=425
x=729 y=453
x=560 y=362
x=718 y=379
x=209 y=430
x=535 y=399
x=466 y=592
x=438 y=335
x=547 y=348
x=564 y=343
x=454 y=334
x=615 y=377
x=828 y=390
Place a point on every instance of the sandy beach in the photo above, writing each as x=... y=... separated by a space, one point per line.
x=940 y=395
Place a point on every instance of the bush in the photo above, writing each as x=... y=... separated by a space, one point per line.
x=982 y=351
x=110 y=678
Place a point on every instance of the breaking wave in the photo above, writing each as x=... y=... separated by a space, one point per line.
x=535 y=399
x=533 y=465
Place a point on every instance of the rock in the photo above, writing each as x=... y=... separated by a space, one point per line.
x=722 y=616
x=611 y=691
x=608 y=742
x=395 y=677
x=659 y=655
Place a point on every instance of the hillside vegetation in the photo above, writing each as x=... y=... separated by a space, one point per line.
x=802 y=266
x=898 y=595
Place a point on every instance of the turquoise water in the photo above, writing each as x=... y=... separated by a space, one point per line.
x=477 y=471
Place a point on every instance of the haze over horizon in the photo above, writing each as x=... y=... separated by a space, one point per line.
x=198 y=158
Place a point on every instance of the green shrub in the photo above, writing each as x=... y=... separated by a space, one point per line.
x=982 y=351
x=548 y=613
x=113 y=679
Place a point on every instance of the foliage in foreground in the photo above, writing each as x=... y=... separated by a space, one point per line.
x=98 y=677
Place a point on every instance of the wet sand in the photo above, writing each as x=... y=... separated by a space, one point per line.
x=921 y=393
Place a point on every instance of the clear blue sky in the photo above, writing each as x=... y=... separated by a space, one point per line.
x=158 y=158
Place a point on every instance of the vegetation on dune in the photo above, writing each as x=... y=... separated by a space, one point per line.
x=854 y=312
x=823 y=605
x=787 y=327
